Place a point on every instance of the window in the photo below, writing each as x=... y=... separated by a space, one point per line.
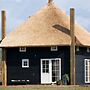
x=87 y=70
x=88 y=50
x=77 y=48
x=25 y=63
x=45 y=66
x=54 y=48
x=22 y=49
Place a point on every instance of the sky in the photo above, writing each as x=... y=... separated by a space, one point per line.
x=17 y=11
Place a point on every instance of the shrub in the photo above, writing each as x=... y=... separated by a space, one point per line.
x=65 y=79
x=59 y=82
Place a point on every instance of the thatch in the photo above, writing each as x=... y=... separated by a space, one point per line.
x=50 y=26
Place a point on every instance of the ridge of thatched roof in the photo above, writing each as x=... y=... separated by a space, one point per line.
x=48 y=27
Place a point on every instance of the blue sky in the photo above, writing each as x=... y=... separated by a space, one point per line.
x=19 y=10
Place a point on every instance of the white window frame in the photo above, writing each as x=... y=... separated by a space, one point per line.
x=22 y=49
x=54 y=48
x=25 y=60
x=50 y=71
x=77 y=48
x=88 y=61
x=88 y=49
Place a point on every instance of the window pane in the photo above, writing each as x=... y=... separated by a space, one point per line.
x=43 y=70
x=86 y=78
x=47 y=70
x=57 y=67
x=86 y=68
x=47 y=62
x=25 y=63
x=57 y=73
x=22 y=48
x=43 y=66
x=57 y=78
x=86 y=73
x=53 y=79
x=86 y=62
x=53 y=68
x=53 y=63
x=47 y=66
x=43 y=62
x=57 y=62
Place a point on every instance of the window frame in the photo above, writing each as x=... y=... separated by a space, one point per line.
x=77 y=48
x=54 y=48
x=22 y=50
x=88 y=76
x=25 y=60
x=88 y=50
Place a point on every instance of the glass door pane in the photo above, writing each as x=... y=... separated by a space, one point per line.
x=45 y=66
x=55 y=70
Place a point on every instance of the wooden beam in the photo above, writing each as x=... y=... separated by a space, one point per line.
x=4 y=65
x=3 y=24
x=72 y=48
x=4 y=68
x=50 y=1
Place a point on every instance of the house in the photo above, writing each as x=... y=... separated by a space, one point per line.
x=38 y=51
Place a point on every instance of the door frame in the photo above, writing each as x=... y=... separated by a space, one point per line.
x=50 y=68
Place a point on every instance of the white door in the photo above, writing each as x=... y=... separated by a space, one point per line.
x=50 y=70
x=45 y=71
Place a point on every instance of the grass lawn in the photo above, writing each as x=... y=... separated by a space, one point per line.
x=45 y=88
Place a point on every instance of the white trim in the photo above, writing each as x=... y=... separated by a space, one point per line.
x=77 y=48
x=54 y=48
x=22 y=49
x=25 y=60
x=88 y=61
x=88 y=49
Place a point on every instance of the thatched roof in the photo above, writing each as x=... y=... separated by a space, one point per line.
x=50 y=26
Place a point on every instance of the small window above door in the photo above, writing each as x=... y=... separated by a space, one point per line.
x=88 y=50
x=54 y=48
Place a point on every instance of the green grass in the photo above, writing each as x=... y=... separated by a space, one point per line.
x=44 y=88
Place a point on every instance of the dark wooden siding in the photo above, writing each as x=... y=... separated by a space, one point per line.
x=82 y=54
x=34 y=54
